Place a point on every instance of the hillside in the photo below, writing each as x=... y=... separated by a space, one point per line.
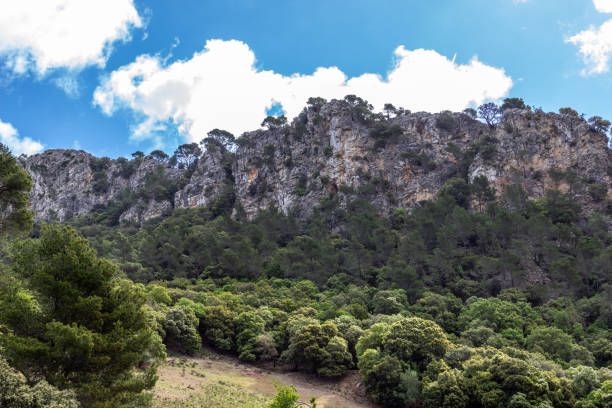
x=396 y=260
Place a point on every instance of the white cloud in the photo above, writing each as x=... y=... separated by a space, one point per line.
x=595 y=47
x=221 y=87
x=41 y=35
x=595 y=43
x=603 y=6
x=18 y=145
x=69 y=84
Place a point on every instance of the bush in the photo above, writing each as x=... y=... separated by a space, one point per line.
x=180 y=326
x=15 y=392
x=384 y=133
x=446 y=121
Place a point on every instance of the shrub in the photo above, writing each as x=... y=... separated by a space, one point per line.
x=15 y=392
x=446 y=121
x=180 y=326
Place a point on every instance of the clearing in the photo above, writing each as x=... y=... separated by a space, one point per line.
x=216 y=381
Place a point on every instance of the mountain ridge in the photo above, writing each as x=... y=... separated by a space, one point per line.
x=335 y=149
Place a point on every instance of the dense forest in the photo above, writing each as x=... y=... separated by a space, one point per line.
x=467 y=300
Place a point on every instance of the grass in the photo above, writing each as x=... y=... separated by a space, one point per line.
x=219 y=395
x=215 y=381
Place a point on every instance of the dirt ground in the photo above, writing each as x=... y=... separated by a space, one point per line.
x=182 y=380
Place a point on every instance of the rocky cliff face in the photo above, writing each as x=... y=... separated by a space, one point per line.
x=338 y=149
x=69 y=183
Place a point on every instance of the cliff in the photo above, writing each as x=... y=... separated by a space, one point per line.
x=338 y=149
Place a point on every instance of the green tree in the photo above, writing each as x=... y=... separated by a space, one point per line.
x=491 y=113
x=416 y=340
x=319 y=348
x=221 y=138
x=599 y=124
x=481 y=191
x=557 y=345
x=92 y=332
x=389 y=110
x=388 y=380
x=249 y=326
x=15 y=184
x=217 y=327
x=159 y=155
x=187 y=154
x=273 y=122
x=458 y=190
x=181 y=330
x=513 y=103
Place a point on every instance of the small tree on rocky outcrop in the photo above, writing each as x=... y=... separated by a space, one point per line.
x=490 y=113
x=599 y=124
x=159 y=156
x=221 y=138
x=570 y=117
x=273 y=122
x=187 y=154
x=513 y=103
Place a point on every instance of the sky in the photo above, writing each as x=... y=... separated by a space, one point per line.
x=115 y=76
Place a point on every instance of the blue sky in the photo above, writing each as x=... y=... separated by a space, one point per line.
x=148 y=75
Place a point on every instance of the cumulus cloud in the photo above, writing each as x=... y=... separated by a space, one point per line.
x=595 y=48
x=603 y=6
x=18 y=145
x=221 y=87
x=595 y=43
x=38 y=36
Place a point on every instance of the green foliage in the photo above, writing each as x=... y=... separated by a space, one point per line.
x=513 y=103
x=217 y=327
x=458 y=190
x=361 y=110
x=220 y=138
x=425 y=303
x=181 y=330
x=100 y=182
x=286 y=397
x=491 y=378
x=187 y=155
x=15 y=392
x=446 y=121
x=15 y=184
x=318 y=347
x=557 y=345
x=390 y=354
x=89 y=330
x=274 y=122
x=385 y=134
x=599 y=124
x=249 y=329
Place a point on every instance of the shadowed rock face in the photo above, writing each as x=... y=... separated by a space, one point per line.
x=335 y=149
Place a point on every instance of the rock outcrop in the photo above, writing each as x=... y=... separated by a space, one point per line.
x=338 y=149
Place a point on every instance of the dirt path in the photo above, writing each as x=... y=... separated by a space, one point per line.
x=182 y=380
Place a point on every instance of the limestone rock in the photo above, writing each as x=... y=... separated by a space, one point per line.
x=337 y=150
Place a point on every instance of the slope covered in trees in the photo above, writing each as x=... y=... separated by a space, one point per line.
x=473 y=298
x=444 y=306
